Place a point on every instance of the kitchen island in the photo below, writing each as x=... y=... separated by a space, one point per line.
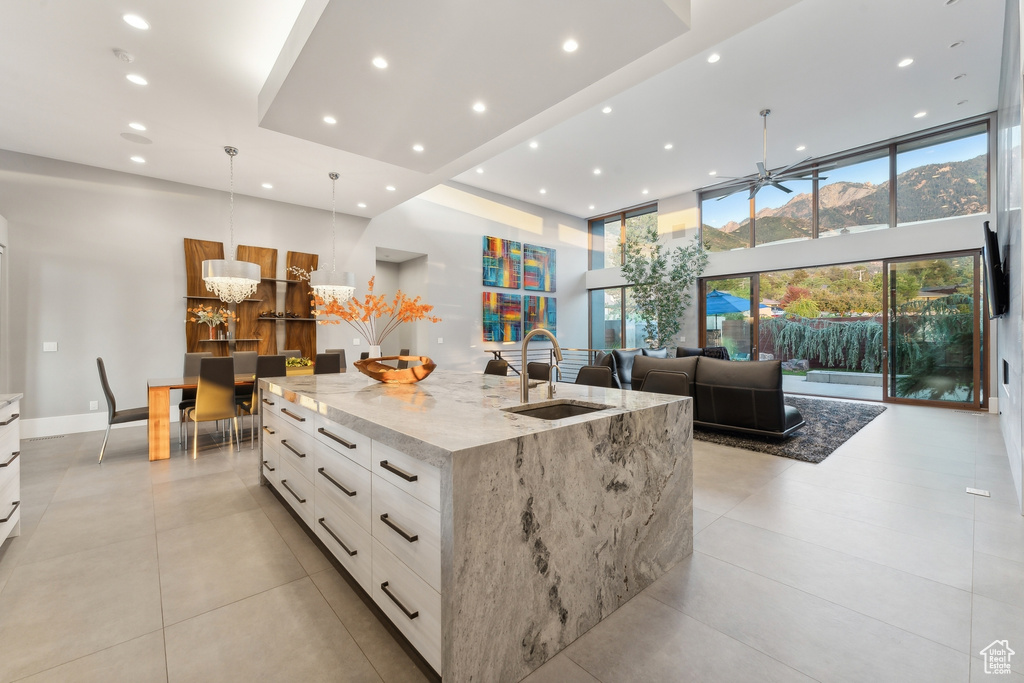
x=491 y=539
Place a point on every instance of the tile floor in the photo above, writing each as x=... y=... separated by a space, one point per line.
x=873 y=566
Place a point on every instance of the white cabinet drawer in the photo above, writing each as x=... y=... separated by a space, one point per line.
x=409 y=528
x=298 y=417
x=415 y=477
x=10 y=508
x=270 y=464
x=10 y=421
x=297 y=491
x=344 y=483
x=413 y=606
x=293 y=446
x=10 y=472
x=352 y=445
x=348 y=541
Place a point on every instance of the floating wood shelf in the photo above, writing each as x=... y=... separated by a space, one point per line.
x=289 y=320
x=232 y=339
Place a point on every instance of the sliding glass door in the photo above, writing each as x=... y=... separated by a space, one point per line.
x=727 y=316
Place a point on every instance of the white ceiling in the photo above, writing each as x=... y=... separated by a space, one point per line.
x=826 y=68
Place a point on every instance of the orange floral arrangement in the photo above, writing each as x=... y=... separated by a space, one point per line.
x=208 y=315
x=363 y=314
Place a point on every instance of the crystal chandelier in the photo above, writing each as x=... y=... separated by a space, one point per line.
x=333 y=287
x=230 y=280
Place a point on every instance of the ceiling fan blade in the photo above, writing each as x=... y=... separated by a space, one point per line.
x=793 y=165
x=780 y=187
x=761 y=172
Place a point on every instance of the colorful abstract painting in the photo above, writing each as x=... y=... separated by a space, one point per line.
x=503 y=263
x=540 y=312
x=503 y=317
x=538 y=268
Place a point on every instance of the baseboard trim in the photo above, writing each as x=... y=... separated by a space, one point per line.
x=72 y=424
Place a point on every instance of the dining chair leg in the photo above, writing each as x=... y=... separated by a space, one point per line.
x=252 y=431
x=195 y=438
x=238 y=441
x=104 y=446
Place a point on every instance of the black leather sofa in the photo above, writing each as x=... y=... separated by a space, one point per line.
x=736 y=396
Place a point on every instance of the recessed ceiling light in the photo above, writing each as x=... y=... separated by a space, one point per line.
x=380 y=62
x=959 y=76
x=135 y=21
x=136 y=126
x=137 y=79
x=570 y=45
x=479 y=107
x=330 y=119
x=957 y=43
x=668 y=145
x=713 y=57
x=543 y=191
x=268 y=186
x=920 y=114
x=417 y=148
x=480 y=169
x=905 y=62
x=390 y=188
x=597 y=171
x=534 y=145
x=644 y=191
x=801 y=148
x=606 y=110
x=139 y=160
x=712 y=172
x=591 y=207
x=361 y=205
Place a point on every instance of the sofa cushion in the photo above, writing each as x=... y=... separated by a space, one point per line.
x=608 y=360
x=644 y=364
x=747 y=395
x=655 y=353
x=684 y=351
x=624 y=365
x=719 y=352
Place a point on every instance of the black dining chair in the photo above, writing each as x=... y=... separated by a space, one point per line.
x=595 y=376
x=292 y=353
x=115 y=416
x=327 y=364
x=245 y=364
x=403 y=364
x=215 y=397
x=364 y=355
x=497 y=366
x=667 y=382
x=537 y=370
x=266 y=366
x=340 y=352
x=188 y=396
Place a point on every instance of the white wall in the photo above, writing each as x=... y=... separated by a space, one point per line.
x=97 y=260
x=4 y=308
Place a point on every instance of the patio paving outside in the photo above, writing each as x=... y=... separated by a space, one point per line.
x=796 y=384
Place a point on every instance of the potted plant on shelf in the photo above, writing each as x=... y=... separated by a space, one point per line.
x=372 y=316
x=210 y=316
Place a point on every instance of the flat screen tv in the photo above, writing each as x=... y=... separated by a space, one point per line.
x=997 y=284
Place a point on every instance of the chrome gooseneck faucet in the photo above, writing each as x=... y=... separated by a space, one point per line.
x=524 y=378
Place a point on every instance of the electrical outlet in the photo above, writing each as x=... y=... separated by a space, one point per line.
x=682 y=339
x=440 y=340
x=49 y=347
x=94 y=405
x=355 y=342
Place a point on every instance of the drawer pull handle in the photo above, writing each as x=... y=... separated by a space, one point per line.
x=284 y=442
x=346 y=444
x=14 y=456
x=293 y=415
x=351 y=553
x=266 y=466
x=400 y=472
x=268 y=430
x=13 y=510
x=401 y=532
x=269 y=403
x=336 y=483
x=411 y=615
x=9 y=420
x=284 y=483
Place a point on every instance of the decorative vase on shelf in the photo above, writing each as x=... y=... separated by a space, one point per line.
x=374 y=351
x=213 y=332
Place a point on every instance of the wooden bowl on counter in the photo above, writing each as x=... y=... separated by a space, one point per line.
x=374 y=368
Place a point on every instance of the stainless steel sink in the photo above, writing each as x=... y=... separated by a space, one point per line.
x=556 y=410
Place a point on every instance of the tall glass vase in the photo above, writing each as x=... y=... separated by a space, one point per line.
x=375 y=351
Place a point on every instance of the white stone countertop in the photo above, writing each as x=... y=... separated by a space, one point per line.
x=8 y=399
x=448 y=411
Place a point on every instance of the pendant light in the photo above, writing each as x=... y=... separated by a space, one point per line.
x=230 y=280
x=333 y=287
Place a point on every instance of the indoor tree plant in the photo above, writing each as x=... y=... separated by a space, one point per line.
x=661 y=281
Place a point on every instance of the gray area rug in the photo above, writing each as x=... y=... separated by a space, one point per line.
x=829 y=425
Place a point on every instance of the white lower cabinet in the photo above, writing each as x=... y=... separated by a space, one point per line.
x=297 y=491
x=408 y=528
x=412 y=605
x=347 y=540
x=10 y=470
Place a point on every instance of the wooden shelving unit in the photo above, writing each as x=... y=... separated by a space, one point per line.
x=197 y=251
x=249 y=323
x=300 y=333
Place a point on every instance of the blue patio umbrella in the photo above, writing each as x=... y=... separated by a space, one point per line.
x=718 y=302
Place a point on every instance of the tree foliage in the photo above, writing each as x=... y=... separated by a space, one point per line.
x=662 y=281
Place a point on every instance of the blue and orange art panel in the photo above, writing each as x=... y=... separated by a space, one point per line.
x=540 y=312
x=503 y=263
x=503 y=317
x=538 y=268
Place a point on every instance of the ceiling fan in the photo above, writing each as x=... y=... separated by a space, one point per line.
x=766 y=177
